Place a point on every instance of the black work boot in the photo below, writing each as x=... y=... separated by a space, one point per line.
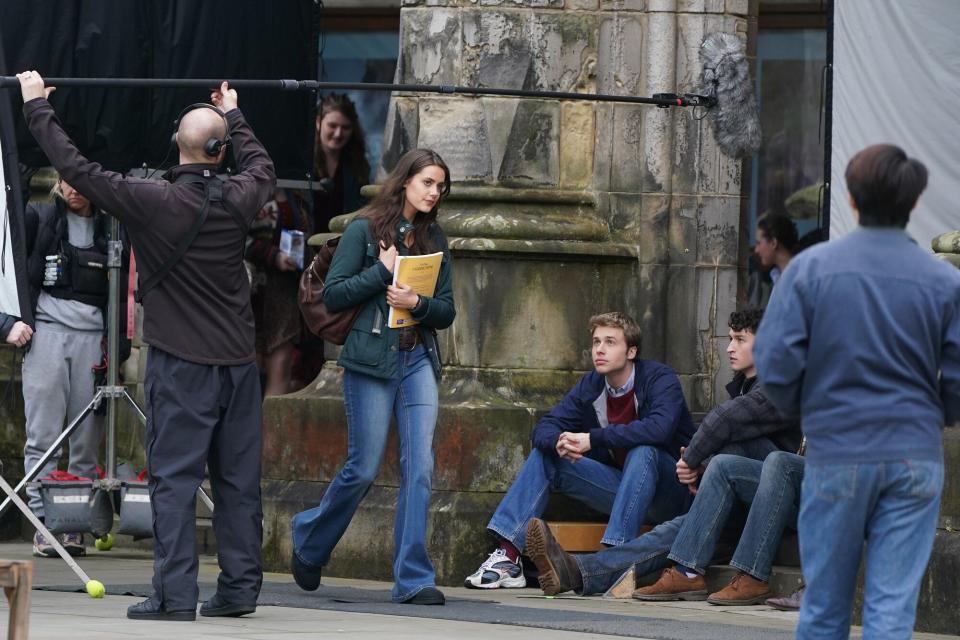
x=559 y=572
x=151 y=609
x=218 y=606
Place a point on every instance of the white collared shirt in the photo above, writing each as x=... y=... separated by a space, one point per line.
x=625 y=389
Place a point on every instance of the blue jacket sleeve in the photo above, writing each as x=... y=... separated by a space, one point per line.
x=950 y=364
x=567 y=415
x=659 y=423
x=348 y=284
x=780 y=349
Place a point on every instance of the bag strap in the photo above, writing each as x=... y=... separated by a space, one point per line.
x=157 y=276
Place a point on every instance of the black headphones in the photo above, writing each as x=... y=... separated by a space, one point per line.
x=213 y=146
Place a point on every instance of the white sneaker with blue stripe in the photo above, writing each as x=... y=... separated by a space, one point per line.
x=497 y=572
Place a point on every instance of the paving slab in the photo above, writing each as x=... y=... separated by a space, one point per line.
x=360 y=608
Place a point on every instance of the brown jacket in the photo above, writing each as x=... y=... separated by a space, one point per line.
x=200 y=311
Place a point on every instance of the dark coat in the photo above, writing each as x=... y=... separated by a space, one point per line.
x=200 y=311
x=357 y=277
x=743 y=417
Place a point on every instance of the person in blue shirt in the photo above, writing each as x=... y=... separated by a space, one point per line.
x=861 y=339
x=611 y=443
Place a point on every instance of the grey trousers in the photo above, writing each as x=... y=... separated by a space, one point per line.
x=57 y=385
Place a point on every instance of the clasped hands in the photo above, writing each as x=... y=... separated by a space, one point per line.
x=573 y=446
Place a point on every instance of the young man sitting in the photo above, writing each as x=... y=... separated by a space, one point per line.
x=611 y=443
x=746 y=424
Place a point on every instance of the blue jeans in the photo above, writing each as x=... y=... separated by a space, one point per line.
x=647 y=489
x=772 y=490
x=892 y=507
x=370 y=402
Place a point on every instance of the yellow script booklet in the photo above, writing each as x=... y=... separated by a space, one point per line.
x=420 y=274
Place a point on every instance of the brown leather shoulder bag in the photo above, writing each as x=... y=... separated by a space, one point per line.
x=332 y=327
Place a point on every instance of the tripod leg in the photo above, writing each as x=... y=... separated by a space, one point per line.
x=66 y=433
x=12 y=495
x=136 y=407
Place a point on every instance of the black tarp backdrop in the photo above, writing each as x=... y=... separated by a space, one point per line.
x=123 y=128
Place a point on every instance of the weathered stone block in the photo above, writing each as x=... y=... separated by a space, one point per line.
x=700 y=6
x=587 y=5
x=667 y=6
x=530 y=50
x=649 y=311
x=576 y=144
x=718 y=233
x=432 y=44
x=458 y=132
x=619 y=64
x=683 y=229
x=625 y=5
x=401 y=132
x=681 y=334
x=603 y=147
x=627 y=166
x=532 y=155
x=543 y=304
x=739 y=7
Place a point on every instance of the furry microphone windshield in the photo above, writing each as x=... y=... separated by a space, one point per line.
x=726 y=77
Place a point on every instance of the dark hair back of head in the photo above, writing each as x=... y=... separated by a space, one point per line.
x=746 y=319
x=354 y=153
x=386 y=208
x=779 y=227
x=885 y=185
x=622 y=321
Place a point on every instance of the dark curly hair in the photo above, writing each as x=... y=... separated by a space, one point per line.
x=747 y=319
x=779 y=227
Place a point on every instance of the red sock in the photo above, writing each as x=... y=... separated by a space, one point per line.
x=512 y=552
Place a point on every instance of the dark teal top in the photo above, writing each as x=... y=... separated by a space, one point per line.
x=357 y=277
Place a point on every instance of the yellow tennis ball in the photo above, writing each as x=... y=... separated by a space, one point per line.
x=96 y=589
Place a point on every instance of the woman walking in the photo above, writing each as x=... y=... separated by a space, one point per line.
x=387 y=373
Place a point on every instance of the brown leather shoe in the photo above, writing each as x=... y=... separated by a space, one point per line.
x=673 y=585
x=559 y=572
x=791 y=602
x=744 y=589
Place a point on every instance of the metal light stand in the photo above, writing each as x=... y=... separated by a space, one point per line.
x=111 y=392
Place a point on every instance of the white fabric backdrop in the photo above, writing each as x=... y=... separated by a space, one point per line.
x=9 y=302
x=896 y=79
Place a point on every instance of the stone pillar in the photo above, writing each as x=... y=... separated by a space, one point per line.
x=559 y=210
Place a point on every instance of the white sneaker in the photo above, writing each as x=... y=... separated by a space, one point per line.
x=497 y=572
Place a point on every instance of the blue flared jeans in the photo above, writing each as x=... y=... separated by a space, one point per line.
x=370 y=403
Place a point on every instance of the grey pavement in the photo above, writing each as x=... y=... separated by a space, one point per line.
x=358 y=608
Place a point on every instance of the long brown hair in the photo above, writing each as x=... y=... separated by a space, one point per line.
x=386 y=210
x=354 y=153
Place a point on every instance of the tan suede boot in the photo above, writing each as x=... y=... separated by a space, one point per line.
x=744 y=589
x=673 y=585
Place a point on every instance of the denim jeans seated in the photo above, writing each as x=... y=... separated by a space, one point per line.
x=770 y=487
x=370 y=403
x=891 y=508
x=646 y=490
